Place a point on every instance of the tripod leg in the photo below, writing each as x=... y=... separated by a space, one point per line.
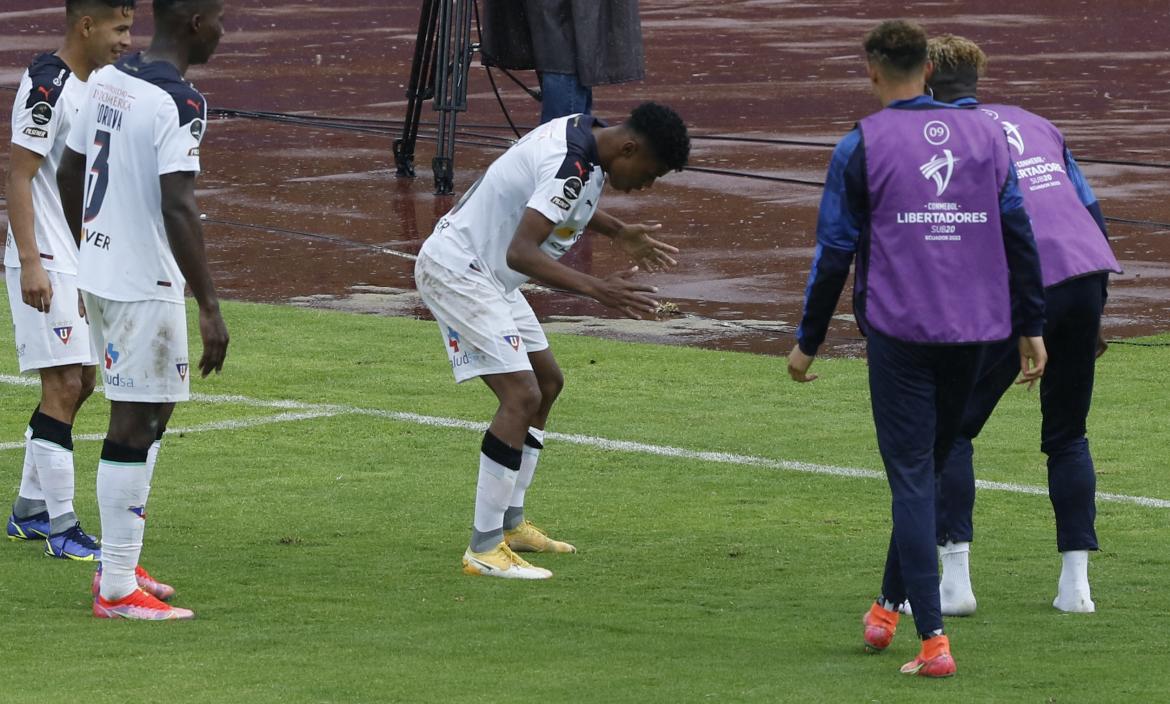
x=451 y=87
x=421 y=86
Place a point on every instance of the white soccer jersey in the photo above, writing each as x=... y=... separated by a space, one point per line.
x=554 y=170
x=141 y=121
x=44 y=109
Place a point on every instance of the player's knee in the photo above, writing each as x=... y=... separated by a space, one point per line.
x=65 y=389
x=88 y=384
x=524 y=400
x=550 y=388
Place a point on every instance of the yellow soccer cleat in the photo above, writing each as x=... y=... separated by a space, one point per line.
x=500 y=561
x=528 y=538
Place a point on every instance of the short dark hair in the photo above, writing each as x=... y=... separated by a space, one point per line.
x=73 y=8
x=664 y=132
x=171 y=8
x=897 y=45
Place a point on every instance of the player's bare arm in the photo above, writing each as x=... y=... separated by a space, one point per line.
x=615 y=290
x=35 y=289
x=185 y=234
x=635 y=239
x=71 y=185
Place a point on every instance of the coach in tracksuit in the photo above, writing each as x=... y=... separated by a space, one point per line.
x=924 y=194
x=1076 y=258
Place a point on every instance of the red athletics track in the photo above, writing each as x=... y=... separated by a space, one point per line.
x=759 y=68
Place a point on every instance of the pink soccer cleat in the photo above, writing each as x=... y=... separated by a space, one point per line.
x=139 y=606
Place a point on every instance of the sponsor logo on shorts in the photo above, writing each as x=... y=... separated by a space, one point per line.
x=561 y=203
x=112 y=355
x=139 y=511
x=453 y=340
x=513 y=340
x=63 y=333
x=42 y=113
x=182 y=369
x=36 y=132
x=573 y=188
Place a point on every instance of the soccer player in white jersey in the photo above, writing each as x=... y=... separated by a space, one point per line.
x=127 y=184
x=40 y=262
x=513 y=224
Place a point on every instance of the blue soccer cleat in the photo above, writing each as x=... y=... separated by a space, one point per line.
x=73 y=544
x=35 y=527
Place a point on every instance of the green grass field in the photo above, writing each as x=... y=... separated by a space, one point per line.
x=320 y=549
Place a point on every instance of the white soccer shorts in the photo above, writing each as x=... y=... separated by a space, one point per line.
x=485 y=330
x=141 y=348
x=54 y=339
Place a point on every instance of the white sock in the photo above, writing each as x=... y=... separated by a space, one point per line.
x=492 y=492
x=955 y=593
x=151 y=459
x=1073 y=590
x=30 y=483
x=528 y=460
x=55 y=471
x=122 y=489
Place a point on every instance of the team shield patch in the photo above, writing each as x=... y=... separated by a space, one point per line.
x=573 y=188
x=42 y=113
x=63 y=333
x=182 y=369
x=513 y=340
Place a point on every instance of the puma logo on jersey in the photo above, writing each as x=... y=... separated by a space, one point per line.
x=48 y=93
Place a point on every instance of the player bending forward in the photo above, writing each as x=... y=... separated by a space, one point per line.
x=513 y=224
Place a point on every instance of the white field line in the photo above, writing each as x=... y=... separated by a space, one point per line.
x=311 y=410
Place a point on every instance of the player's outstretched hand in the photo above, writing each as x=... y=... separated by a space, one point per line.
x=35 y=289
x=617 y=291
x=647 y=252
x=1033 y=358
x=215 y=340
x=798 y=364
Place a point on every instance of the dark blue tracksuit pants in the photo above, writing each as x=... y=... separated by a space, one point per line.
x=1070 y=336
x=918 y=393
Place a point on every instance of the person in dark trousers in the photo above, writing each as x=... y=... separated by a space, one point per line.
x=1076 y=258
x=573 y=46
x=924 y=194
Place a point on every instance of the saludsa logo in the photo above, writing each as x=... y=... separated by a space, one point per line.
x=941 y=167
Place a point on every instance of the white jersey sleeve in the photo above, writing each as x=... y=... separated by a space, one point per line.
x=178 y=133
x=559 y=181
x=37 y=118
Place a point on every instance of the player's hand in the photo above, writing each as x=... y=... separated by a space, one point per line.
x=81 y=307
x=1033 y=358
x=617 y=291
x=35 y=289
x=647 y=252
x=215 y=341
x=798 y=364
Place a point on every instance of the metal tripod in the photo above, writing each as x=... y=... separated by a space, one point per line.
x=442 y=59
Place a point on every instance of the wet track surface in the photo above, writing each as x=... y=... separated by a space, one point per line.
x=313 y=213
